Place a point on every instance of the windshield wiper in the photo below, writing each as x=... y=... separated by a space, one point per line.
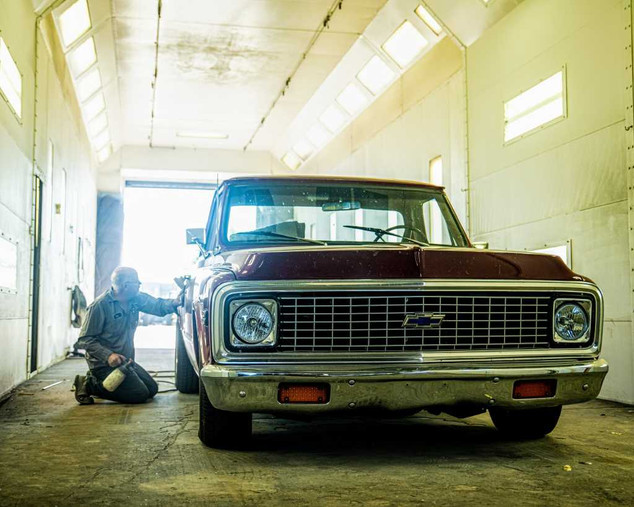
x=382 y=232
x=283 y=236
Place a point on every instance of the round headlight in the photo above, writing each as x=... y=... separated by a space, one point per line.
x=571 y=322
x=252 y=323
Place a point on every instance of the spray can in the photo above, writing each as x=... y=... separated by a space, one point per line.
x=117 y=376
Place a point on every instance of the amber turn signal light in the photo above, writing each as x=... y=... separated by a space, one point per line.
x=523 y=389
x=303 y=393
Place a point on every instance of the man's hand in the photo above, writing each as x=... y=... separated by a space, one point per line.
x=176 y=303
x=115 y=360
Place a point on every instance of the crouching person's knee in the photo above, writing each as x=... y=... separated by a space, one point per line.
x=152 y=389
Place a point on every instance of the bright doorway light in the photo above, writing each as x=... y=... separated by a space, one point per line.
x=74 y=22
x=376 y=75
x=333 y=118
x=405 y=44
x=428 y=19
x=352 y=99
x=10 y=79
x=537 y=106
x=82 y=58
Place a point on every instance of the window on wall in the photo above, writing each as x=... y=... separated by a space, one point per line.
x=10 y=80
x=536 y=107
x=434 y=215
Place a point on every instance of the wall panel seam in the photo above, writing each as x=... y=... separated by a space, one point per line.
x=521 y=224
x=570 y=141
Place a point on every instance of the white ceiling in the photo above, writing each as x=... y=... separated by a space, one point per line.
x=221 y=64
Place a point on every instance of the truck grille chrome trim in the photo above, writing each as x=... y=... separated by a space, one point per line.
x=374 y=322
x=359 y=353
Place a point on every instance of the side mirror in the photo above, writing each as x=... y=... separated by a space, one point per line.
x=195 y=236
x=481 y=245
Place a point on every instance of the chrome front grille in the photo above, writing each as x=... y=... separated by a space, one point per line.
x=373 y=322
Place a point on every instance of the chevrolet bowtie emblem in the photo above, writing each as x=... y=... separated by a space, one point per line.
x=423 y=320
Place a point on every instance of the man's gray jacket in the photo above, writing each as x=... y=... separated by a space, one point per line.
x=108 y=328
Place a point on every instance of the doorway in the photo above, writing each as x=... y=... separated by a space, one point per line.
x=156 y=215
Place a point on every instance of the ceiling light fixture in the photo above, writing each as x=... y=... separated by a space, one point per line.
x=202 y=135
x=82 y=58
x=352 y=99
x=405 y=44
x=376 y=75
x=304 y=149
x=333 y=118
x=428 y=19
x=88 y=85
x=291 y=160
x=318 y=135
x=74 y=22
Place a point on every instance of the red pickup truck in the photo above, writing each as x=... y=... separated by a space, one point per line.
x=362 y=296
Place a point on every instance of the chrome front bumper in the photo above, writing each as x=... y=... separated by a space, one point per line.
x=391 y=387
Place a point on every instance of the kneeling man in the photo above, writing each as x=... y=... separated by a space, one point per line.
x=107 y=335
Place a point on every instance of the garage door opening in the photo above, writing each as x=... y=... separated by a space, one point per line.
x=156 y=215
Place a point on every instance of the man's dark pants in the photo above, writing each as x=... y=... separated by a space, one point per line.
x=137 y=387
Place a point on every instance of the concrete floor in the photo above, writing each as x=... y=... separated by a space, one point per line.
x=55 y=452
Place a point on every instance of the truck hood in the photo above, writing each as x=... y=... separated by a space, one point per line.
x=393 y=261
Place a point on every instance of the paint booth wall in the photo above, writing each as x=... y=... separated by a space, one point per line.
x=420 y=117
x=566 y=182
x=66 y=169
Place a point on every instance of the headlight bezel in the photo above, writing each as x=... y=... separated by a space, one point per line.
x=269 y=305
x=587 y=307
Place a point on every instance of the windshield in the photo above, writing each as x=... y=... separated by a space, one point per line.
x=338 y=213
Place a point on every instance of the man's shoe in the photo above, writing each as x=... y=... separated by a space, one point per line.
x=81 y=394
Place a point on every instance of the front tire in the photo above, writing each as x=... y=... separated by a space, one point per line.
x=525 y=424
x=221 y=429
x=186 y=378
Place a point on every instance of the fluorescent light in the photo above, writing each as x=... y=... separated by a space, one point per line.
x=291 y=160
x=10 y=79
x=83 y=57
x=333 y=118
x=202 y=135
x=318 y=135
x=304 y=149
x=98 y=124
x=376 y=75
x=94 y=106
x=74 y=22
x=101 y=140
x=536 y=106
x=352 y=99
x=405 y=44
x=104 y=153
x=428 y=19
x=88 y=84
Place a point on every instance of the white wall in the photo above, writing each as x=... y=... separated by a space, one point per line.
x=567 y=181
x=57 y=121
